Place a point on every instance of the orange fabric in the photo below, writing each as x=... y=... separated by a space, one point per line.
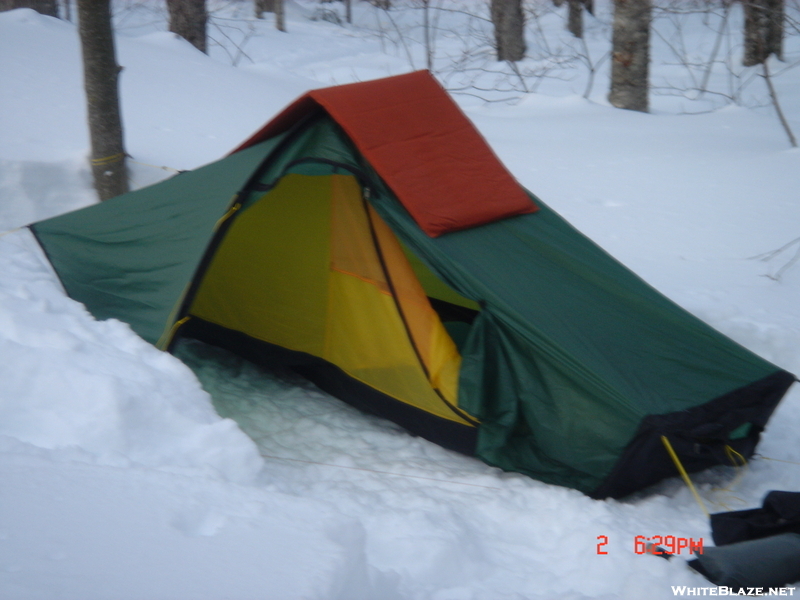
x=422 y=146
x=435 y=347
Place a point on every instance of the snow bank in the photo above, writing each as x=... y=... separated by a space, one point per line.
x=85 y=531
x=73 y=383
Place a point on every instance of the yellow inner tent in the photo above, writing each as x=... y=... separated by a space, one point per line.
x=311 y=267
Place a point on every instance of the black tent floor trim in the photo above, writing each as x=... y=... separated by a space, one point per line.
x=698 y=435
x=333 y=380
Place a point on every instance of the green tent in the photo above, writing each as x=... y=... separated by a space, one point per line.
x=369 y=238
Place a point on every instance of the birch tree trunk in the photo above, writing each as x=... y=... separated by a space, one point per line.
x=763 y=30
x=188 y=19
x=630 y=62
x=509 y=29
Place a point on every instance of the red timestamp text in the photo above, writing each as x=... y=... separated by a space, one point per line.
x=657 y=544
x=667 y=544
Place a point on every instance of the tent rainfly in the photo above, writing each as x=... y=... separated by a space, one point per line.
x=368 y=238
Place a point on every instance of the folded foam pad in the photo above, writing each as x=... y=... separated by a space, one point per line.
x=766 y=562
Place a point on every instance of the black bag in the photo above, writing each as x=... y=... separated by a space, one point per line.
x=766 y=563
x=780 y=513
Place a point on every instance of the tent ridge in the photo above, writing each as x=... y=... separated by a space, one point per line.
x=372 y=110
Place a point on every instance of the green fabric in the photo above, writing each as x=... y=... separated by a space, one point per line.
x=131 y=257
x=571 y=349
x=435 y=287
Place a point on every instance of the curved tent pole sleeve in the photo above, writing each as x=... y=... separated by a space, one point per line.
x=376 y=242
x=166 y=340
x=182 y=305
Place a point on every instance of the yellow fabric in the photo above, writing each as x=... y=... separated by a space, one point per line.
x=354 y=234
x=435 y=347
x=268 y=278
x=299 y=269
x=365 y=340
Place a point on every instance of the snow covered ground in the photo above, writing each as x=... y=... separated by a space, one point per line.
x=122 y=478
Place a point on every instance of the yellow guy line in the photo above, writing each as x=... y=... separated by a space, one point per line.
x=790 y=462
x=683 y=473
x=107 y=160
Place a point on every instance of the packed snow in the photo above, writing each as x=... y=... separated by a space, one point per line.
x=128 y=473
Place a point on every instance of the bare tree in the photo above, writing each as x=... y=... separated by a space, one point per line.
x=778 y=110
x=100 y=74
x=763 y=30
x=509 y=29
x=575 y=18
x=630 y=60
x=188 y=19
x=280 y=19
x=426 y=31
x=575 y=14
x=46 y=7
x=263 y=6
x=273 y=6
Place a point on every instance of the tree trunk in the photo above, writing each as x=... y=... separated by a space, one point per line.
x=263 y=6
x=575 y=20
x=630 y=55
x=348 y=11
x=272 y=6
x=46 y=7
x=187 y=18
x=763 y=30
x=100 y=73
x=509 y=29
x=280 y=21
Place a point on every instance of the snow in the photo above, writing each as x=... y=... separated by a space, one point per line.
x=124 y=477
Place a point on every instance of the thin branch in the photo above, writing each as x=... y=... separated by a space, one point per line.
x=515 y=68
x=767 y=256
x=401 y=36
x=777 y=106
x=239 y=47
x=717 y=43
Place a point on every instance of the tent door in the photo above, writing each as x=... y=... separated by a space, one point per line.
x=311 y=268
